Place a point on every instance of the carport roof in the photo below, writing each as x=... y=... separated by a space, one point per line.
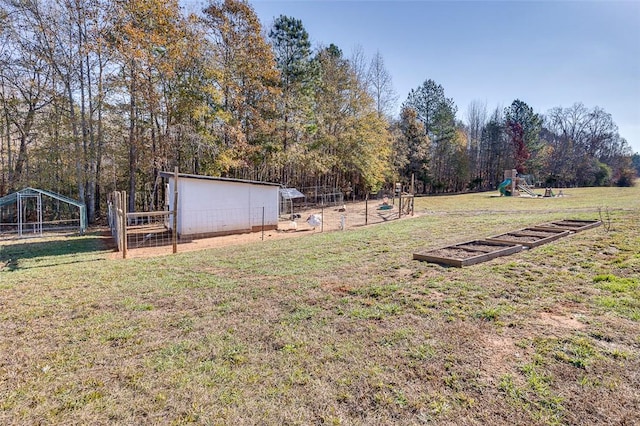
x=11 y=198
x=291 y=193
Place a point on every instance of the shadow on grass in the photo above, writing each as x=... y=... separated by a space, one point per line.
x=12 y=254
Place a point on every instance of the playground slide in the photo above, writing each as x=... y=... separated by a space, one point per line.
x=503 y=187
x=527 y=190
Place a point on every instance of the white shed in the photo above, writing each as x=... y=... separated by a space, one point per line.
x=210 y=206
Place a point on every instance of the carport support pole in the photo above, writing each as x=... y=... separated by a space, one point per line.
x=262 y=223
x=19 y=204
x=174 y=234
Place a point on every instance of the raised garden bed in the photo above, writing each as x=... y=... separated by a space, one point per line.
x=468 y=253
x=573 y=225
x=530 y=237
x=472 y=252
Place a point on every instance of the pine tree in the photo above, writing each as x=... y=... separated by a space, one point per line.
x=292 y=49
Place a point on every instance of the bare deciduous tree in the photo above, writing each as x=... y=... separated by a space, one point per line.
x=381 y=86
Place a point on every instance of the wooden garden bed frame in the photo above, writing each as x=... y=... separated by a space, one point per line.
x=480 y=254
x=572 y=225
x=531 y=232
x=478 y=251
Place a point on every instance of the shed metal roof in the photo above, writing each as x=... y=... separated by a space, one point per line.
x=216 y=178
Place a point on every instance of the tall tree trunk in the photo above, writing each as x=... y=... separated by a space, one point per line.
x=133 y=152
x=25 y=130
x=76 y=142
x=99 y=133
x=84 y=125
x=9 y=154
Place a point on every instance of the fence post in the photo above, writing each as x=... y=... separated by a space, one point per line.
x=117 y=220
x=366 y=209
x=174 y=234
x=124 y=224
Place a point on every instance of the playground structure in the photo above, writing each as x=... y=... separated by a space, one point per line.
x=514 y=186
x=406 y=200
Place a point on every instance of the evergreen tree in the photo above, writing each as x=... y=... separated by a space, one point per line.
x=412 y=148
x=290 y=42
x=437 y=113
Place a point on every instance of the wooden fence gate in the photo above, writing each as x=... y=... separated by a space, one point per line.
x=140 y=229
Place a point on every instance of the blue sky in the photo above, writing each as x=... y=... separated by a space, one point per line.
x=545 y=53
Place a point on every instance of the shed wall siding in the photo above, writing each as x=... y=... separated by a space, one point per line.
x=219 y=207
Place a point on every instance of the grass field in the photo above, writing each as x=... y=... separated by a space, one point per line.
x=337 y=328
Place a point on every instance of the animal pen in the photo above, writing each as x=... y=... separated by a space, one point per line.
x=196 y=207
x=33 y=212
x=323 y=195
x=289 y=197
x=142 y=229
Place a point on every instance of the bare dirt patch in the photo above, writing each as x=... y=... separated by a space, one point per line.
x=519 y=238
x=560 y=321
x=453 y=253
x=501 y=352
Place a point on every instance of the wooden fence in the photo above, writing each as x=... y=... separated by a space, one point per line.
x=141 y=229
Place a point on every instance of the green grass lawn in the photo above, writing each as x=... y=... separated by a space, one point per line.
x=336 y=328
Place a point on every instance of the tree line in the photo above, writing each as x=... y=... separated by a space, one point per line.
x=98 y=95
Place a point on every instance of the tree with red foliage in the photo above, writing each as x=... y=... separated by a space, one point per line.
x=523 y=127
x=521 y=153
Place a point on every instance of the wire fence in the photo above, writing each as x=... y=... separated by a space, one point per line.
x=325 y=195
x=156 y=229
x=350 y=214
x=149 y=229
x=141 y=230
x=37 y=229
x=138 y=230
